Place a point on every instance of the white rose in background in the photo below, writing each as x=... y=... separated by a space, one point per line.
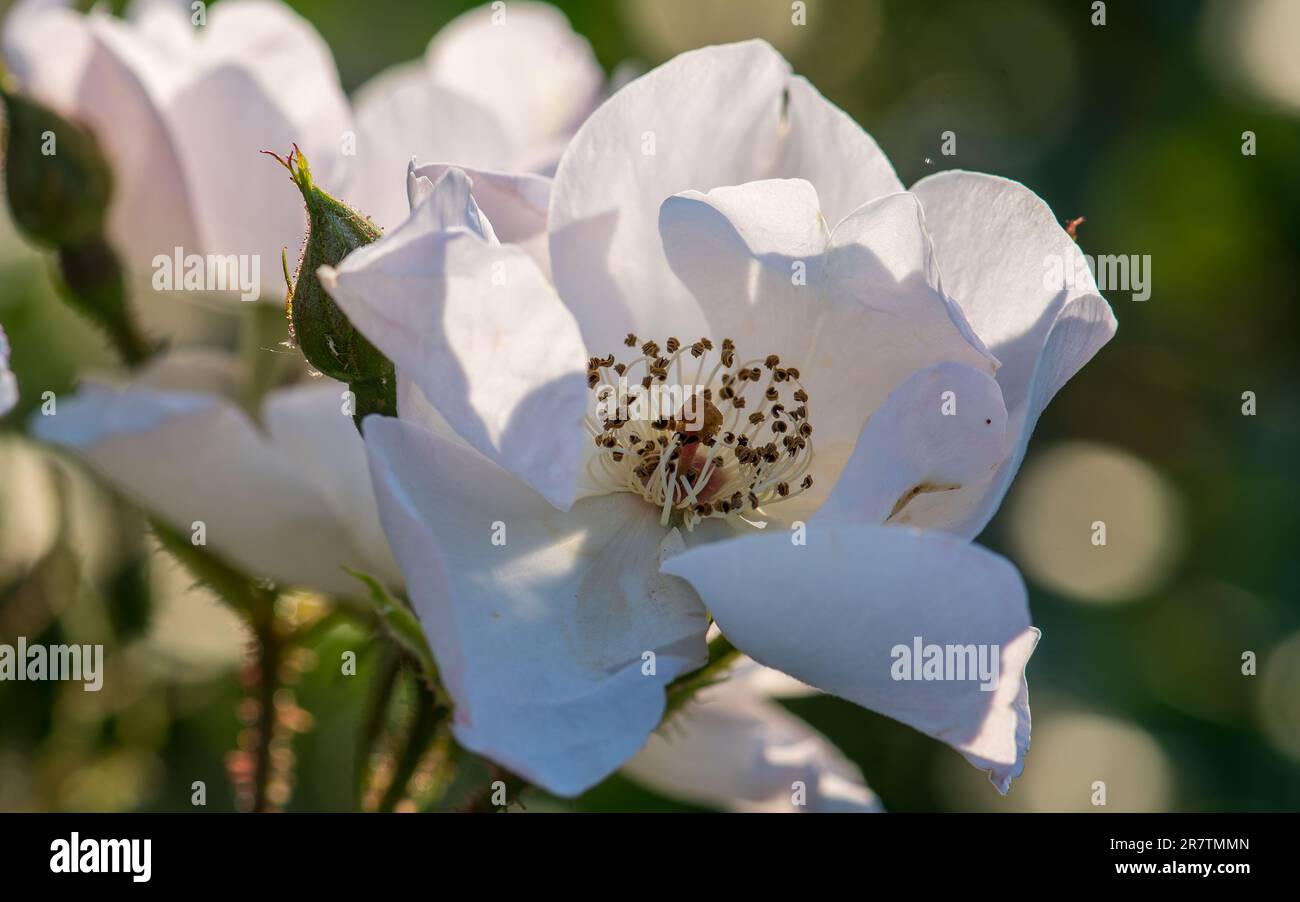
x=735 y=748
x=498 y=91
x=285 y=498
x=806 y=267
x=181 y=112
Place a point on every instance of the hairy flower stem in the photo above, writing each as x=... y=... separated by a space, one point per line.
x=271 y=651
x=253 y=771
x=429 y=715
x=96 y=289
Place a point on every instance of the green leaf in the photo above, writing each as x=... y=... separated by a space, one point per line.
x=382 y=690
x=402 y=627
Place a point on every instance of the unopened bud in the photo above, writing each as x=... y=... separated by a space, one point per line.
x=59 y=184
x=325 y=336
x=57 y=180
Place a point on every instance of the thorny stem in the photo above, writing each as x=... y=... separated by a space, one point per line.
x=271 y=650
x=428 y=716
x=256 y=604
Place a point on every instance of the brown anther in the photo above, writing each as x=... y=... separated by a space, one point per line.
x=672 y=458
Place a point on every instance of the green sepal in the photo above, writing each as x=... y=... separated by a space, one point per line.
x=402 y=627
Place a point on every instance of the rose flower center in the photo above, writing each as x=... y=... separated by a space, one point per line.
x=698 y=434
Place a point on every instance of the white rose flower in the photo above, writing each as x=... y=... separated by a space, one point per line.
x=892 y=350
x=291 y=500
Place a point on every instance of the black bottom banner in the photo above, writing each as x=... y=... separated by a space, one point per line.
x=227 y=851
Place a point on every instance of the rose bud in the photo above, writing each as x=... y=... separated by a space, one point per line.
x=325 y=336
